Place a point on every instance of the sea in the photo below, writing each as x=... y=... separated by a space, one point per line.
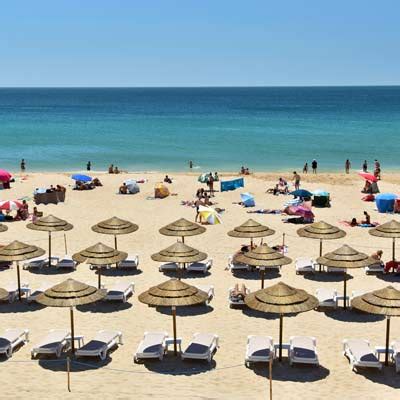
x=219 y=129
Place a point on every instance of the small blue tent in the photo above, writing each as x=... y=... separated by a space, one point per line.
x=385 y=202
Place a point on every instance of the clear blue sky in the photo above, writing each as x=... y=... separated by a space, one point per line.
x=199 y=43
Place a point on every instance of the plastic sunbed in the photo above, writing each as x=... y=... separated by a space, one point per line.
x=200 y=267
x=12 y=290
x=151 y=346
x=54 y=343
x=360 y=354
x=37 y=262
x=375 y=268
x=132 y=262
x=120 y=291
x=259 y=349
x=233 y=266
x=395 y=346
x=303 y=350
x=11 y=338
x=66 y=262
x=171 y=266
x=327 y=297
x=304 y=265
x=209 y=289
x=335 y=270
x=99 y=346
x=201 y=347
x=32 y=297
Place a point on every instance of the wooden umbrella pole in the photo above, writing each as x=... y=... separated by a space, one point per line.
x=65 y=243
x=262 y=277
x=115 y=242
x=280 y=335
x=72 y=330
x=270 y=377
x=183 y=239
x=394 y=248
x=387 y=340
x=19 y=282
x=174 y=328
x=99 y=276
x=283 y=242
x=49 y=249
x=68 y=374
x=320 y=253
x=345 y=289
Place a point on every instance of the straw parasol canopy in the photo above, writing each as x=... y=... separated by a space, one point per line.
x=383 y=302
x=70 y=293
x=388 y=230
x=179 y=253
x=115 y=226
x=173 y=293
x=100 y=255
x=281 y=299
x=263 y=256
x=321 y=230
x=18 y=251
x=3 y=228
x=3 y=294
x=50 y=224
x=345 y=257
x=182 y=227
x=251 y=229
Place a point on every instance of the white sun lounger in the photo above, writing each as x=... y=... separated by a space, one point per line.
x=200 y=267
x=33 y=295
x=335 y=270
x=54 y=343
x=151 y=346
x=375 y=268
x=209 y=289
x=171 y=266
x=303 y=350
x=201 y=347
x=120 y=291
x=304 y=265
x=12 y=290
x=232 y=266
x=356 y=293
x=11 y=338
x=360 y=354
x=259 y=349
x=395 y=346
x=327 y=297
x=99 y=346
x=132 y=262
x=37 y=262
x=66 y=262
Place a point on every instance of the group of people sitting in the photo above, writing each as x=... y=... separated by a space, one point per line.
x=87 y=185
x=365 y=221
x=113 y=170
x=167 y=179
x=244 y=171
x=51 y=189
x=281 y=187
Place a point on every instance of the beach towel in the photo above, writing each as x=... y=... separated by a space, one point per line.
x=232 y=184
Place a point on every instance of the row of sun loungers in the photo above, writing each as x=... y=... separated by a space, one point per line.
x=192 y=267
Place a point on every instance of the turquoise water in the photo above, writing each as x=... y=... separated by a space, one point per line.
x=218 y=128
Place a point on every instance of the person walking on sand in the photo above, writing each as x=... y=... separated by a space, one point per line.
x=296 y=180
x=347 y=166
x=23 y=165
x=89 y=166
x=314 y=166
x=365 y=166
x=305 y=168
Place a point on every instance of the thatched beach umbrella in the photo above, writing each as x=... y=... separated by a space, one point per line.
x=182 y=228
x=18 y=251
x=115 y=226
x=263 y=256
x=179 y=253
x=3 y=294
x=345 y=257
x=70 y=293
x=50 y=224
x=3 y=228
x=173 y=293
x=388 y=230
x=382 y=302
x=100 y=255
x=281 y=299
x=251 y=229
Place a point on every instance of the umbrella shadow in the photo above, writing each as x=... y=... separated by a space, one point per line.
x=172 y=365
x=249 y=312
x=351 y=315
x=326 y=277
x=255 y=275
x=387 y=376
x=19 y=307
x=120 y=272
x=389 y=277
x=185 y=274
x=105 y=307
x=281 y=371
x=50 y=271
x=189 y=311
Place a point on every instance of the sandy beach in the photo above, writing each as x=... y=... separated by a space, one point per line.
x=227 y=377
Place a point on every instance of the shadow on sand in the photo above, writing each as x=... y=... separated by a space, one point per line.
x=19 y=307
x=351 y=315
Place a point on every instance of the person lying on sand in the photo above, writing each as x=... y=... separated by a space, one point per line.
x=123 y=189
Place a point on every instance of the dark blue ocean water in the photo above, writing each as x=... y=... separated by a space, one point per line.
x=217 y=128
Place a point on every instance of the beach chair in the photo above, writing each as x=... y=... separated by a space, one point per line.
x=303 y=350
x=200 y=267
x=120 y=291
x=12 y=338
x=66 y=262
x=151 y=346
x=359 y=353
x=236 y=296
x=53 y=343
x=327 y=297
x=35 y=263
x=335 y=270
x=12 y=289
x=376 y=268
x=234 y=266
x=5 y=264
x=201 y=347
x=395 y=346
x=305 y=265
x=100 y=345
x=209 y=289
x=259 y=349
x=132 y=262
x=356 y=293
x=167 y=267
x=33 y=295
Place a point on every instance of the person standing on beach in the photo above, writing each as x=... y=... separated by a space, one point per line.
x=296 y=179
x=23 y=165
x=314 y=166
x=88 y=165
x=190 y=164
x=347 y=166
x=365 y=166
x=210 y=182
x=305 y=168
